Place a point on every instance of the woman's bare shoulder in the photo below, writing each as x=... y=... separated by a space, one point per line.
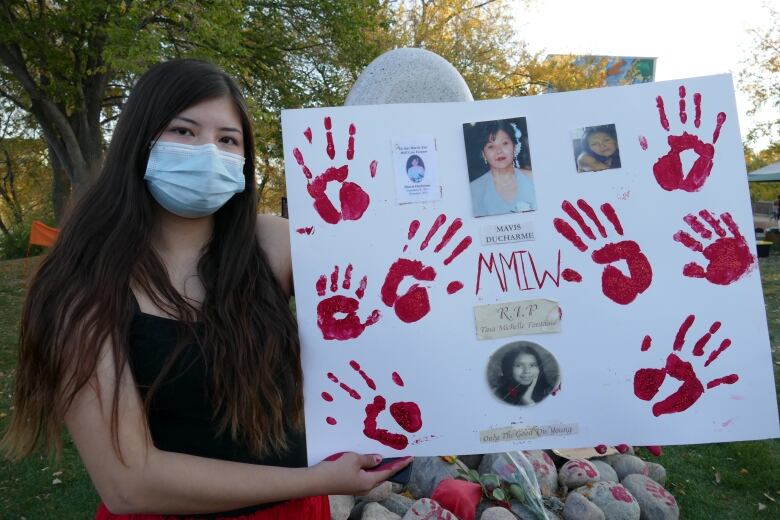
x=273 y=234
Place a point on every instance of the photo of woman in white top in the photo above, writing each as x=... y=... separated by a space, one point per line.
x=504 y=183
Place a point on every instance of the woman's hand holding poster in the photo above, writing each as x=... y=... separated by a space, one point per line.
x=554 y=271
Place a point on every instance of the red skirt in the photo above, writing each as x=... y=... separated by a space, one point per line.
x=309 y=508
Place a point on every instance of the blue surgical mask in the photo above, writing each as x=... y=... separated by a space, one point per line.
x=193 y=181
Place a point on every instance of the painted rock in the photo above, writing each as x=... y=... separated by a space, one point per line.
x=625 y=465
x=605 y=470
x=545 y=471
x=427 y=472
x=578 y=507
x=577 y=472
x=655 y=502
x=427 y=509
x=374 y=511
x=613 y=499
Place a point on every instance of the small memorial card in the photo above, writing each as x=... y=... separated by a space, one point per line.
x=502 y=320
x=507 y=233
x=415 y=166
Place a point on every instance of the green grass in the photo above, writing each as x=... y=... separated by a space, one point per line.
x=27 y=489
x=747 y=470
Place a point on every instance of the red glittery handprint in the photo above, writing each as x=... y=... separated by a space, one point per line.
x=413 y=304
x=648 y=381
x=615 y=285
x=728 y=258
x=405 y=413
x=349 y=326
x=353 y=200
x=668 y=170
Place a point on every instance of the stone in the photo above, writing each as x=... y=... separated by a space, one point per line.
x=544 y=468
x=577 y=472
x=497 y=513
x=398 y=504
x=427 y=472
x=398 y=488
x=625 y=465
x=340 y=506
x=577 y=507
x=654 y=501
x=426 y=509
x=613 y=499
x=522 y=512
x=374 y=511
x=471 y=461
x=554 y=504
x=606 y=471
x=408 y=76
x=379 y=493
x=357 y=510
x=656 y=472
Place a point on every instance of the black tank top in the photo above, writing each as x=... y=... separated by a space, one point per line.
x=180 y=415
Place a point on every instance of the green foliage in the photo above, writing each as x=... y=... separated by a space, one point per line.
x=14 y=244
x=71 y=64
x=762 y=191
x=480 y=40
x=760 y=77
x=490 y=483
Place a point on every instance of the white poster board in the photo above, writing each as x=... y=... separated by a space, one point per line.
x=610 y=293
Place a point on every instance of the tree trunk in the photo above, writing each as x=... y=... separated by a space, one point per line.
x=60 y=187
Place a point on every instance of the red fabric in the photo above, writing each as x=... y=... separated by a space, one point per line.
x=309 y=508
x=459 y=497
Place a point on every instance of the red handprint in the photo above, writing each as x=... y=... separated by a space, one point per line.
x=348 y=327
x=352 y=199
x=615 y=285
x=660 y=493
x=413 y=305
x=405 y=413
x=668 y=170
x=648 y=381
x=729 y=258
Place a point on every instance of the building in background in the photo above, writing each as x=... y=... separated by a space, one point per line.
x=618 y=70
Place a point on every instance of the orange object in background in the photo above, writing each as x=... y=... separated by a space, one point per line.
x=41 y=235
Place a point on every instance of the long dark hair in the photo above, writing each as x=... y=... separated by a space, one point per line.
x=487 y=130
x=81 y=297
x=613 y=160
x=507 y=381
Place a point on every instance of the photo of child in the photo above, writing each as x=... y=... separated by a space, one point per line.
x=596 y=148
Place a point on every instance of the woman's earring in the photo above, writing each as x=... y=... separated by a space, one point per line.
x=484 y=159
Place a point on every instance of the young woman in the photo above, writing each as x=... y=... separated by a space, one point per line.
x=523 y=380
x=599 y=149
x=505 y=187
x=158 y=328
